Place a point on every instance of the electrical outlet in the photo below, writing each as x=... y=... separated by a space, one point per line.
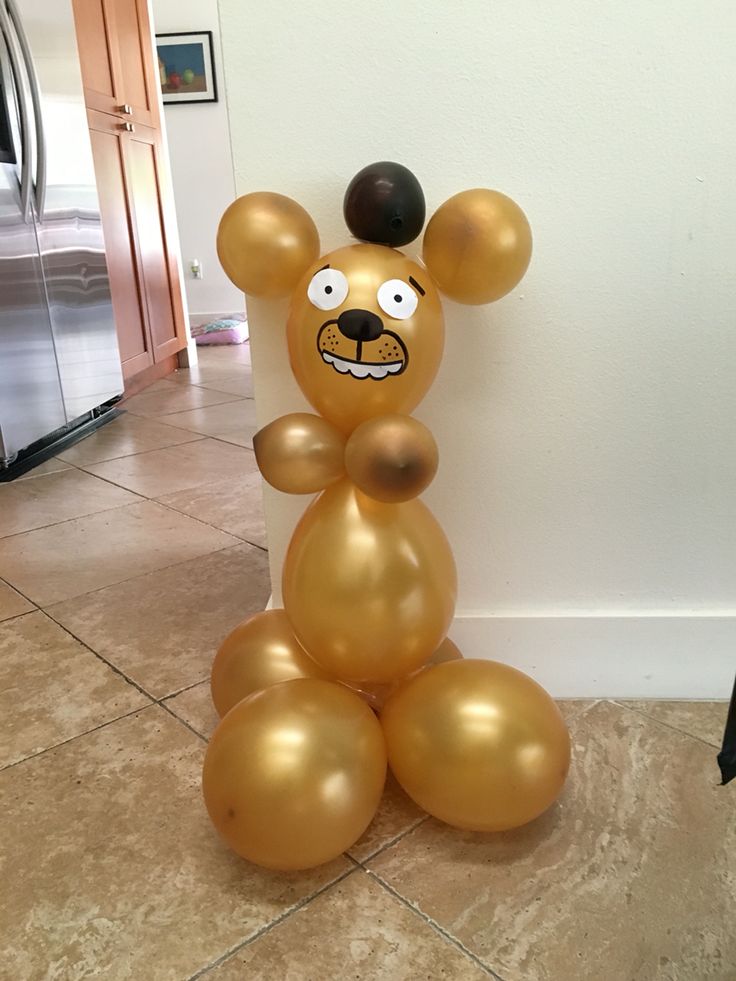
x=196 y=268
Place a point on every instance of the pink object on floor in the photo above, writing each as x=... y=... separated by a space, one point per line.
x=228 y=330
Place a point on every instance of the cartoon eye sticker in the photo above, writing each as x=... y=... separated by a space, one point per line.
x=397 y=299
x=327 y=289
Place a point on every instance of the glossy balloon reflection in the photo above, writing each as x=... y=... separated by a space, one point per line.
x=477 y=744
x=265 y=242
x=260 y=652
x=477 y=246
x=293 y=774
x=369 y=588
x=392 y=458
x=300 y=453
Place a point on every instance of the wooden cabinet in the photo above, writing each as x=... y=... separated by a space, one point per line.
x=136 y=199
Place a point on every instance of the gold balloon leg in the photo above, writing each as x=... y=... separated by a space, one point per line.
x=260 y=652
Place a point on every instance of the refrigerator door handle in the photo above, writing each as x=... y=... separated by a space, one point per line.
x=25 y=126
x=40 y=182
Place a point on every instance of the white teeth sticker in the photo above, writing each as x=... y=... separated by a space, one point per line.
x=360 y=369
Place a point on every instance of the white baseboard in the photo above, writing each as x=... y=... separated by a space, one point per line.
x=627 y=656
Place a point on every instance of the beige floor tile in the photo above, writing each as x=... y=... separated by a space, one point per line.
x=704 y=720
x=56 y=563
x=240 y=384
x=208 y=374
x=177 y=468
x=354 y=930
x=54 y=465
x=172 y=398
x=163 y=629
x=29 y=504
x=52 y=688
x=234 y=505
x=194 y=706
x=125 y=435
x=632 y=875
x=570 y=707
x=233 y=421
x=111 y=868
x=397 y=814
x=12 y=604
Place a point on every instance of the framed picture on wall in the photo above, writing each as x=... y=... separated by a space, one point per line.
x=186 y=67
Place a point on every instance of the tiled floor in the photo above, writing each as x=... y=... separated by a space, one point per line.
x=121 y=568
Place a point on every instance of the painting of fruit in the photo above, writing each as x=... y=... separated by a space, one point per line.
x=186 y=67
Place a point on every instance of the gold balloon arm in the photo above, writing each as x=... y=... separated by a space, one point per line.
x=392 y=458
x=300 y=453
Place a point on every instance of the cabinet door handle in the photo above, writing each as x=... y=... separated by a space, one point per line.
x=128 y=127
x=125 y=109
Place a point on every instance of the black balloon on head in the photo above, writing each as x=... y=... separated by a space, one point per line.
x=384 y=203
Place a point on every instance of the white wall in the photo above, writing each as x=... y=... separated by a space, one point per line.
x=586 y=422
x=201 y=166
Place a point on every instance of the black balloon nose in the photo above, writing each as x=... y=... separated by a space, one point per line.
x=360 y=325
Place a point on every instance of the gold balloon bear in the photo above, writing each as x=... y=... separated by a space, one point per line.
x=369 y=581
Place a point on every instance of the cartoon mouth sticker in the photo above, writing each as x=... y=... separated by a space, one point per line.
x=379 y=358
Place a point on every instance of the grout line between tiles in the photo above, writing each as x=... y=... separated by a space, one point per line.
x=155 y=499
x=184 y=722
x=78 y=735
x=435 y=926
x=389 y=844
x=120 y=582
x=227 y=398
x=100 y=657
x=180 y=691
x=78 y=517
x=241 y=540
x=152 y=698
x=206 y=388
x=270 y=926
x=667 y=725
x=581 y=711
x=152 y=449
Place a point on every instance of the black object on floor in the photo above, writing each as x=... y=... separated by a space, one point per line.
x=727 y=755
x=62 y=439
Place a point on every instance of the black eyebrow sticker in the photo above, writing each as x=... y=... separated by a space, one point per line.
x=416 y=285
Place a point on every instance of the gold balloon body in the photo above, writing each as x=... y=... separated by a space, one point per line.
x=300 y=453
x=369 y=588
x=343 y=399
x=477 y=744
x=293 y=775
x=260 y=652
x=265 y=242
x=392 y=458
x=477 y=246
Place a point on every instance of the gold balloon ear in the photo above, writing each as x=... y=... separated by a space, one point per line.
x=477 y=246
x=265 y=243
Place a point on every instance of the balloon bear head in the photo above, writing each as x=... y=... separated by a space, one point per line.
x=365 y=330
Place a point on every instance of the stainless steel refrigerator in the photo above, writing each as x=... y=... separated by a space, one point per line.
x=59 y=359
